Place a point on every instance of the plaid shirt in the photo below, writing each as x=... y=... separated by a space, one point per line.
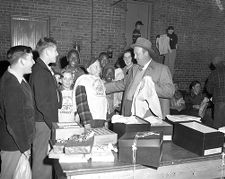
x=82 y=105
x=216 y=83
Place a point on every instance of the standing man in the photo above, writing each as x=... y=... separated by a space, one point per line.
x=137 y=31
x=16 y=110
x=160 y=74
x=171 y=56
x=216 y=87
x=47 y=102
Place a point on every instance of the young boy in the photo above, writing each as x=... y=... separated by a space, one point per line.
x=137 y=31
x=66 y=113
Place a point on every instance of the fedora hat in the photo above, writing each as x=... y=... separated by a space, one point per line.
x=145 y=44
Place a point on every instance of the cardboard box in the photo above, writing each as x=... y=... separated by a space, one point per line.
x=181 y=118
x=121 y=128
x=148 y=147
x=64 y=130
x=104 y=136
x=166 y=128
x=198 y=138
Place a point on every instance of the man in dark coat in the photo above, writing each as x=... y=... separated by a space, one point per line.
x=47 y=102
x=16 y=110
x=216 y=87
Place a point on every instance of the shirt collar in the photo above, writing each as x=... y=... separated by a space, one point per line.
x=50 y=69
x=13 y=72
x=146 y=65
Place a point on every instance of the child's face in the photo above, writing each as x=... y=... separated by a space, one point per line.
x=138 y=27
x=109 y=75
x=67 y=80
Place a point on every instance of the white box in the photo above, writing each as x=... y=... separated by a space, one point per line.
x=64 y=130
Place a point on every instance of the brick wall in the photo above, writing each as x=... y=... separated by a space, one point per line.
x=200 y=29
x=198 y=24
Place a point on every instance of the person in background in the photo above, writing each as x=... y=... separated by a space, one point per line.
x=103 y=59
x=177 y=103
x=216 y=87
x=90 y=97
x=128 y=57
x=47 y=99
x=74 y=64
x=159 y=73
x=195 y=99
x=67 y=112
x=119 y=75
x=171 y=56
x=137 y=31
x=17 y=126
x=108 y=75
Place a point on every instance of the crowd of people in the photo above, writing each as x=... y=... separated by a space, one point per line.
x=88 y=94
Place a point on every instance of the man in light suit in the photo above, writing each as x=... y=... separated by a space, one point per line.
x=146 y=66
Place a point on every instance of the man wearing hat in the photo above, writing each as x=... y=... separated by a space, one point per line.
x=137 y=31
x=216 y=87
x=16 y=110
x=90 y=97
x=160 y=74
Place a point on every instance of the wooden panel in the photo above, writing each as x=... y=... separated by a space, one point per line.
x=27 y=31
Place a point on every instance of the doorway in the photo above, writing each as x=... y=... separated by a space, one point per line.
x=138 y=11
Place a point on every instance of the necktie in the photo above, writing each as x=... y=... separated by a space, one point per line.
x=140 y=67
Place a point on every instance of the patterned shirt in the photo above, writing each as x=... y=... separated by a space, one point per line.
x=82 y=105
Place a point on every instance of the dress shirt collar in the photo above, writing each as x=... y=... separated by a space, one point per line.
x=146 y=65
x=18 y=76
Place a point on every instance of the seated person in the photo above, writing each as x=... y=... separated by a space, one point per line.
x=90 y=97
x=66 y=113
x=196 y=101
x=177 y=103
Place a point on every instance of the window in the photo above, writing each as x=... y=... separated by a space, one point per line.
x=27 y=31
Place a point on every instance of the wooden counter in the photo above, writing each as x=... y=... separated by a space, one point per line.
x=176 y=163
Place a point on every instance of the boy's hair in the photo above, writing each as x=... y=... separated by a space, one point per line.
x=44 y=43
x=66 y=71
x=193 y=83
x=138 y=23
x=16 y=52
x=103 y=54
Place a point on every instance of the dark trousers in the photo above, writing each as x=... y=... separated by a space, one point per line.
x=41 y=168
x=219 y=115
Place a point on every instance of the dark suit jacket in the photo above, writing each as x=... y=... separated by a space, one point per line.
x=16 y=115
x=160 y=75
x=45 y=90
